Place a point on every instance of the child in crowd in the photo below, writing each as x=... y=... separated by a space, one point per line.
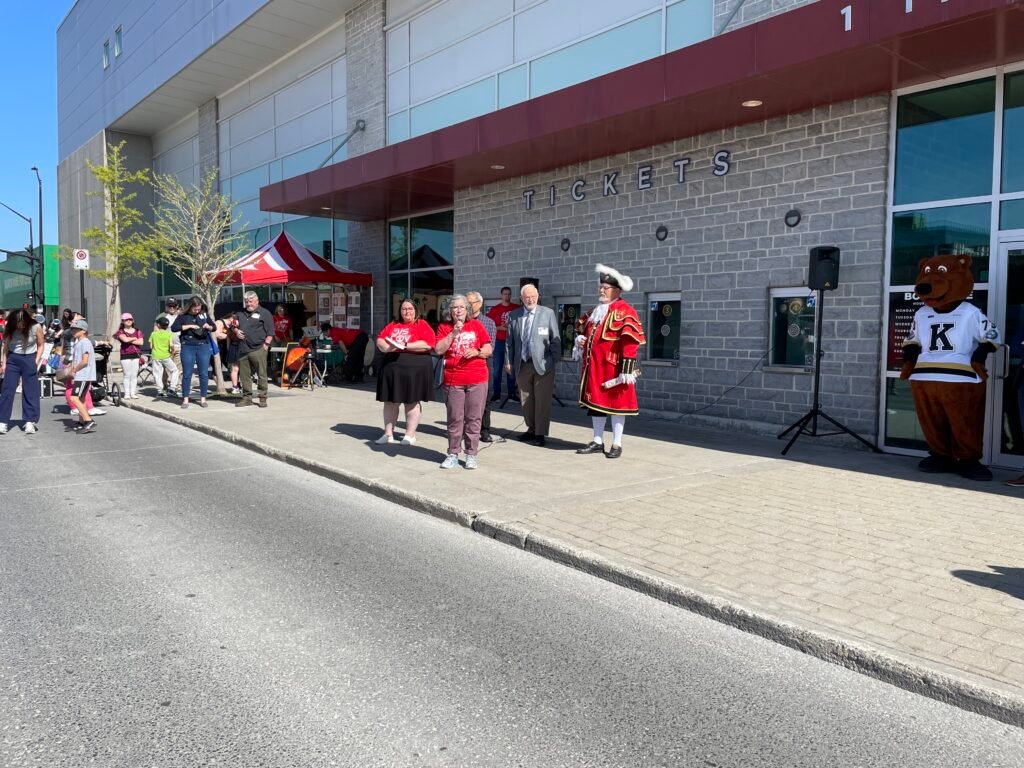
x=161 y=342
x=83 y=364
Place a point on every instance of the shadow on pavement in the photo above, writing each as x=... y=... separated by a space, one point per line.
x=1001 y=578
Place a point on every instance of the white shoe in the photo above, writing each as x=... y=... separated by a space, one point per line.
x=408 y=440
x=471 y=462
x=97 y=412
x=385 y=440
x=450 y=462
x=29 y=428
x=3 y=429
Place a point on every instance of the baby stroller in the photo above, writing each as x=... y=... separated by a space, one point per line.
x=103 y=389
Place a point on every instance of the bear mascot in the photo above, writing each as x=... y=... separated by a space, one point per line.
x=944 y=358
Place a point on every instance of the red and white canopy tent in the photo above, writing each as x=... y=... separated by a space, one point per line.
x=284 y=260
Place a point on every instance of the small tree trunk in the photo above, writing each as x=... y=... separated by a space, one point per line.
x=218 y=375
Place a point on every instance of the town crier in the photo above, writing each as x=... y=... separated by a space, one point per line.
x=610 y=339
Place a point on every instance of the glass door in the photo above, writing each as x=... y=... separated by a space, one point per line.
x=1008 y=366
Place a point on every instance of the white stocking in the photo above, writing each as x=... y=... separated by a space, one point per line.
x=598 y=422
x=618 y=425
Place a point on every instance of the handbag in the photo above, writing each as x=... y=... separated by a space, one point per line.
x=439 y=372
x=64 y=374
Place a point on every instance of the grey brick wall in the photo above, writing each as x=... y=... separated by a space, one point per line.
x=751 y=11
x=209 y=138
x=727 y=246
x=365 y=63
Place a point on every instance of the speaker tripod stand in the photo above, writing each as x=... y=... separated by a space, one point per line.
x=800 y=427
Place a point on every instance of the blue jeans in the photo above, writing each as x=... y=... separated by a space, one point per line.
x=195 y=355
x=499 y=369
x=20 y=368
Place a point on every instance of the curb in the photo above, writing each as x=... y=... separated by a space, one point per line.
x=866 y=660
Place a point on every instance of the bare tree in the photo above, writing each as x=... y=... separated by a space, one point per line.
x=192 y=230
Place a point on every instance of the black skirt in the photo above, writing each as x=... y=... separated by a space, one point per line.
x=405 y=377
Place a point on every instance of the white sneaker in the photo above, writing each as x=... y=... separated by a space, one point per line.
x=97 y=412
x=3 y=429
x=451 y=461
x=385 y=440
x=29 y=428
x=471 y=462
x=408 y=440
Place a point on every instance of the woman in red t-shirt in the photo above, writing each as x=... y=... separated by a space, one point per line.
x=466 y=346
x=282 y=325
x=406 y=375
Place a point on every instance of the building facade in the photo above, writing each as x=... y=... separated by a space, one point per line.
x=701 y=146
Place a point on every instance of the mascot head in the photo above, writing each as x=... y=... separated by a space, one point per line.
x=944 y=281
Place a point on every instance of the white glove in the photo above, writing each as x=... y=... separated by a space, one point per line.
x=580 y=341
x=577 y=353
x=627 y=378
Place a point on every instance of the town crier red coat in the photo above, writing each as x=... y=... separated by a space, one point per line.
x=610 y=349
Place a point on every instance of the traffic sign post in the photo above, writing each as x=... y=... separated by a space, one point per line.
x=80 y=258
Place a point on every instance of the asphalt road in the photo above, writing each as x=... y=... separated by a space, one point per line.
x=170 y=600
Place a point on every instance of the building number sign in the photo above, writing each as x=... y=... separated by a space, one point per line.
x=847 y=13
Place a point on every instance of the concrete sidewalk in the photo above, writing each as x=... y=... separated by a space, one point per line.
x=854 y=557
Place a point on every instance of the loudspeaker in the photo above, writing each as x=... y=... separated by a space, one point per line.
x=823 y=272
x=535 y=282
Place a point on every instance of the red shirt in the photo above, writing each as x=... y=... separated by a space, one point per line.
x=499 y=314
x=461 y=371
x=282 y=328
x=409 y=332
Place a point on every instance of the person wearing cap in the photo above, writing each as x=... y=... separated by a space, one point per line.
x=83 y=368
x=611 y=337
x=131 y=339
x=172 y=309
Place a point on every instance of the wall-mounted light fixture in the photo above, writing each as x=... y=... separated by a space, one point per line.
x=661 y=233
x=792 y=218
x=566 y=244
x=751 y=103
x=490 y=252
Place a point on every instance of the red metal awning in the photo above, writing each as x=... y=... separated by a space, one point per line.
x=790 y=62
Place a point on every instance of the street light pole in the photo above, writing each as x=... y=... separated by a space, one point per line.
x=31 y=247
x=42 y=248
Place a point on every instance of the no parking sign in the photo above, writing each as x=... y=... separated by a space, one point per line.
x=80 y=258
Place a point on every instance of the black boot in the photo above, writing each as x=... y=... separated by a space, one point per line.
x=974 y=470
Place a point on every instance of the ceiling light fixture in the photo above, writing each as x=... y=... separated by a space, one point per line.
x=751 y=103
x=497 y=167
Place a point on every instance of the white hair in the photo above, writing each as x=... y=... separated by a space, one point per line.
x=456 y=297
x=528 y=285
x=251 y=295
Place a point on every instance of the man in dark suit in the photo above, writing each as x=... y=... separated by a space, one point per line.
x=532 y=350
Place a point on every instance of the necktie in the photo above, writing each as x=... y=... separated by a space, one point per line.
x=527 y=327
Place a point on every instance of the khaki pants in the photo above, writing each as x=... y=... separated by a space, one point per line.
x=535 y=393
x=248 y=363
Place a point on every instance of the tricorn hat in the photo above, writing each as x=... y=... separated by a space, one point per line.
x=614 y=278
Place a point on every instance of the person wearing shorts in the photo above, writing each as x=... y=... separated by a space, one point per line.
x=83 y=363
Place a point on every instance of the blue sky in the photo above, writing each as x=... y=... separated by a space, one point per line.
x=28 y=130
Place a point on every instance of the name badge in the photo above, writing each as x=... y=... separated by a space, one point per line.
x=255 y=315
x=542 y=331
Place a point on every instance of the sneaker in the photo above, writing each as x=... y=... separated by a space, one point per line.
x=451 y=461
x=162 y=393
x=3 y=429
x=30 y=428
x=234 y=391
x=97 y=412
x=385 y=440
x=408 y=440
x=89 y=426
x=471 y=462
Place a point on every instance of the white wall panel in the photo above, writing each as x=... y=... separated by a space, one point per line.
x=339 y=78
x=398 y=47
x=446 y=23
x=176 y=134
x=469 y=60
x=311 y=128
x=398 y=90
x=177 y=159
x=400 y=9
x=252 y=153
x=557 y=22
x=252 y=121
x=307 y=93
x=339 y=117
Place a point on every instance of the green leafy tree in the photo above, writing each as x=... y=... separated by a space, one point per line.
x=126 y=249
x=192 y=230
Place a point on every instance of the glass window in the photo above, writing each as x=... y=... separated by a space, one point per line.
x=944 y=143
x=106 y=54
x=306 y=160
x=902 y=307
x=663 y=323
x=617 y=48
x=471 y=101
x=513 y=87
x=398 y=245
x=432 y=243
x=398 y=127
x=341 y=243
x=246 y=186
x=1013 y=133
x=431 y=289
x=921 y=234
x=117 y=41
x=398 y=288
x=568 y=316
x=1011 y=214
x=902 y=429
x=315 y=233
x=689 y=22
x=248 y=215
x=792 y=328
